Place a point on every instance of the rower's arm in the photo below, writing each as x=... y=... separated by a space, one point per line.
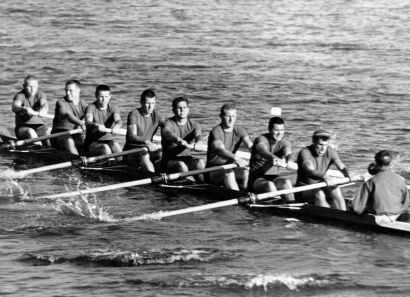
x=89 y=121
x=117 y=121
x=220 y=149
x=262 y=148
x=133 y=135
x=18 y=108
x=310 y=170
x=169 y=135
x=248 y=142
x=43 y=104
x=342 y=167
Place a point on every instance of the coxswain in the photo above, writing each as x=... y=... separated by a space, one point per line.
x=385 y=193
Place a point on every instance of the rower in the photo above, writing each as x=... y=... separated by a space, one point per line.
x=179 y=136
x=223 y=142
x=270 y=149
x=142 y=124
x=385 y=193
x=313 y=163
x=29 y=105
x=69 y=114
x=99 y=116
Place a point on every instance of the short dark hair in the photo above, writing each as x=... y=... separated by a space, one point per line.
x=383 y=158
x=73 y=82
x=29 y=77
x=148 y=93
x=179 y=99
x=275 y=121
x=225 y=107
x=101 y=88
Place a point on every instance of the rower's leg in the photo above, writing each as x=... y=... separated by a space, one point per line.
x=69 y=146
x=145 y=162
x=42 y=131
x=79 y=142
x=27 y=133
x=230 y=180
x=99 y=149
x=282 y=184
x=337 y=197
x=195 y=164
x=320 y=198
x=242 y=176
x=262 y=185
x=116 y=148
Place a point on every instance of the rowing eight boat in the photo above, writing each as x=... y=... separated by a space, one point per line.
x=304 y=211
x=274 y=207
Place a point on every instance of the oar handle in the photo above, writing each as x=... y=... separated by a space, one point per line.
x=14 y=144
x=46 y=115
x=122 y=132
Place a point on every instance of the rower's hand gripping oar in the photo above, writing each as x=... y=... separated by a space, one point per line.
x=163 y=178
x=16 y=143
x=250 y=198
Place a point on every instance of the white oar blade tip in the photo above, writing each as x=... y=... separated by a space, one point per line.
x=276 y=111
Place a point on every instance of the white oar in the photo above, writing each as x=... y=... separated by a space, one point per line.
x=83 y=161
x=249 y=198
x=14 y=144
x=163 y=178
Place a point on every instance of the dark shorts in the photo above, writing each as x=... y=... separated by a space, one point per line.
x=253 y=178
x=185 y=159
x=35 y=127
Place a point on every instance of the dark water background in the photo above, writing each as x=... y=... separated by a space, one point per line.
x=342 y=65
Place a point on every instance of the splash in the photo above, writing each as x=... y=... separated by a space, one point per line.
x=117 y=258
x=155 y=216
x=83 y=206
x=293 y=283
x=10 y=173
x=10 y=188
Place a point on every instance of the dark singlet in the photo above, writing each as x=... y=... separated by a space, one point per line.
x=60 y=122
x=188 y=132
x=146 y=126
x=231 y=140
x=105 y=117
x=258 y=164
x=23 y=119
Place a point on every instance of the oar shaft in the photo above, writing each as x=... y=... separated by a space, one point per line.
x=43 y=168
x=40 y=138
x=199 y=208
x=114 y=155
x=140 y=182
x=250 y=198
